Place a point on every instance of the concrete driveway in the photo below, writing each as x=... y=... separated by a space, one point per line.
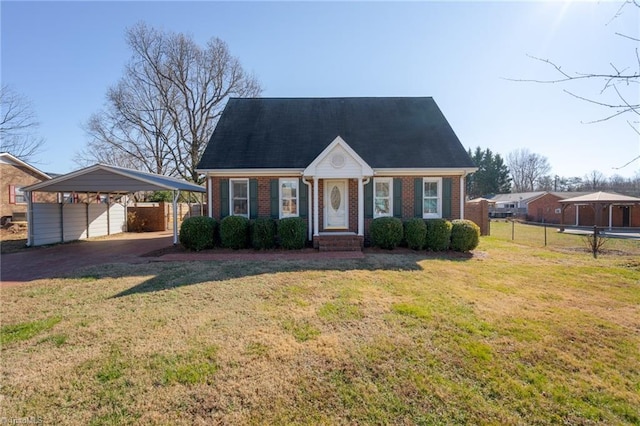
x=60 y=260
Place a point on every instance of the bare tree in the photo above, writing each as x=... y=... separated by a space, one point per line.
x=526 y=169
x=595 y=180
x=618 y=82
x=18 y=126
x=162 y=112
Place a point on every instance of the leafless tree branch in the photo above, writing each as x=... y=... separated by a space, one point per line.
x=163 y=111
x=18 y=126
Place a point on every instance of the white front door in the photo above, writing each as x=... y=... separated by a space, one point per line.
x=336 y=204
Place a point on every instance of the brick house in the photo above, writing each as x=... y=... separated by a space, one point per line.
x=16 y=174
x=337 y=162
x=548 y=209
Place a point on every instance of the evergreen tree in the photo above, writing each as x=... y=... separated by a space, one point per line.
x=492 y=176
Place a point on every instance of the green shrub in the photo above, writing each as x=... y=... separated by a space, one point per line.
x=465 y=235
x=263 y=233
x=198 y=233
x=292 y=232
x=386 y=232
x=234 y=232
x=438 y=234
x=415 y=233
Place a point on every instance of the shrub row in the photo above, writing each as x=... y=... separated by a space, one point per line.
x=237 y=232
x=431 y=234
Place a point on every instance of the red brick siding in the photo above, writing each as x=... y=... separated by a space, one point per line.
x=18 y=176
x=264 y=203
x=478 y=212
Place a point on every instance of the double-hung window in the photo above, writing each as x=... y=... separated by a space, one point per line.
x=432 y=198
x=288 y=198
x=239 y=197
x=382 y=197
x=20 y=196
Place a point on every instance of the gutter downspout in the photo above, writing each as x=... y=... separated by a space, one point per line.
x=309 y=211
x=30 y=231
x=361 y=220
x=462 y=193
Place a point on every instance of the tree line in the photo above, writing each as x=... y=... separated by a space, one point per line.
x=525 y=171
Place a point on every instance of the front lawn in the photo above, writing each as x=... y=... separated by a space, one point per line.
x=511 y=335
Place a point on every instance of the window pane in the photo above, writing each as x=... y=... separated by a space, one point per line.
x=430 y=205
x=431 y=189
x=289 y=189
x=240 y=207
x=382 y=189
x=289 y=208
x=20 y=199
x=382 y=206
x=239 y=189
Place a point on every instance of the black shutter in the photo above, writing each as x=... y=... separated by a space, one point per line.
x=417 y=197
x=397 y=198
x=274 y=198
x=224 y=198
x=368 y=199
x=253 y=198
x=303 y=202
x=446 y=197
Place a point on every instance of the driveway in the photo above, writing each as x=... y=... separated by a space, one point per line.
x=60 y=260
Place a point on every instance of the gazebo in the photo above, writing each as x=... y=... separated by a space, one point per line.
x=601 y=202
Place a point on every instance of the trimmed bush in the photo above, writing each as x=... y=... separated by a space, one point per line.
x=386 y=232
x=465 y=235
x=198 y=233
x=263 y=233
x=438 y=234
x=234 y=232
x=292 y=232
x=415 y=233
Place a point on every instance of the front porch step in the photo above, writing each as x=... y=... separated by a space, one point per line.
x=338 y=242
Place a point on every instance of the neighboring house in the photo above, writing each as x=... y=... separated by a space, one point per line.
x=512 y=204
x=547 y=207
x=16 y=174
x=337 y=162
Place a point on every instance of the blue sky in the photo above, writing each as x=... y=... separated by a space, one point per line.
x=64 y=55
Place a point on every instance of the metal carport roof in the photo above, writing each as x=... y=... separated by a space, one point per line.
x=107 y=179
x=104 y=178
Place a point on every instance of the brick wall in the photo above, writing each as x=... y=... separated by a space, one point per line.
x=478 y=212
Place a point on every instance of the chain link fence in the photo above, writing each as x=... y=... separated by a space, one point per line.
x=623 y=241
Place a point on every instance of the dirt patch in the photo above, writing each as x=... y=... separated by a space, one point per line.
x=13 y=239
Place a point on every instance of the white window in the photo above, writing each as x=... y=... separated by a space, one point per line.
x=288 y=198
x=20 y=196
x=432 y=198
x=239 y=197
x=382 y=197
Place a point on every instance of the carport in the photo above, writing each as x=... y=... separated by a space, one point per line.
x=100 y=213
x=601 y=202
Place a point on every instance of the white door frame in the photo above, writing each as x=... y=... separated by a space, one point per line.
x=327 y=202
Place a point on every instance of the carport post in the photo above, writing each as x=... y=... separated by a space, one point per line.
x=29 y=218
x=176 y=194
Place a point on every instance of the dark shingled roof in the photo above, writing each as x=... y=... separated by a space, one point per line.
x=292 y=132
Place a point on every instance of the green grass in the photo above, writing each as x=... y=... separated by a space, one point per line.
x=26 y=330
x=515 y=334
